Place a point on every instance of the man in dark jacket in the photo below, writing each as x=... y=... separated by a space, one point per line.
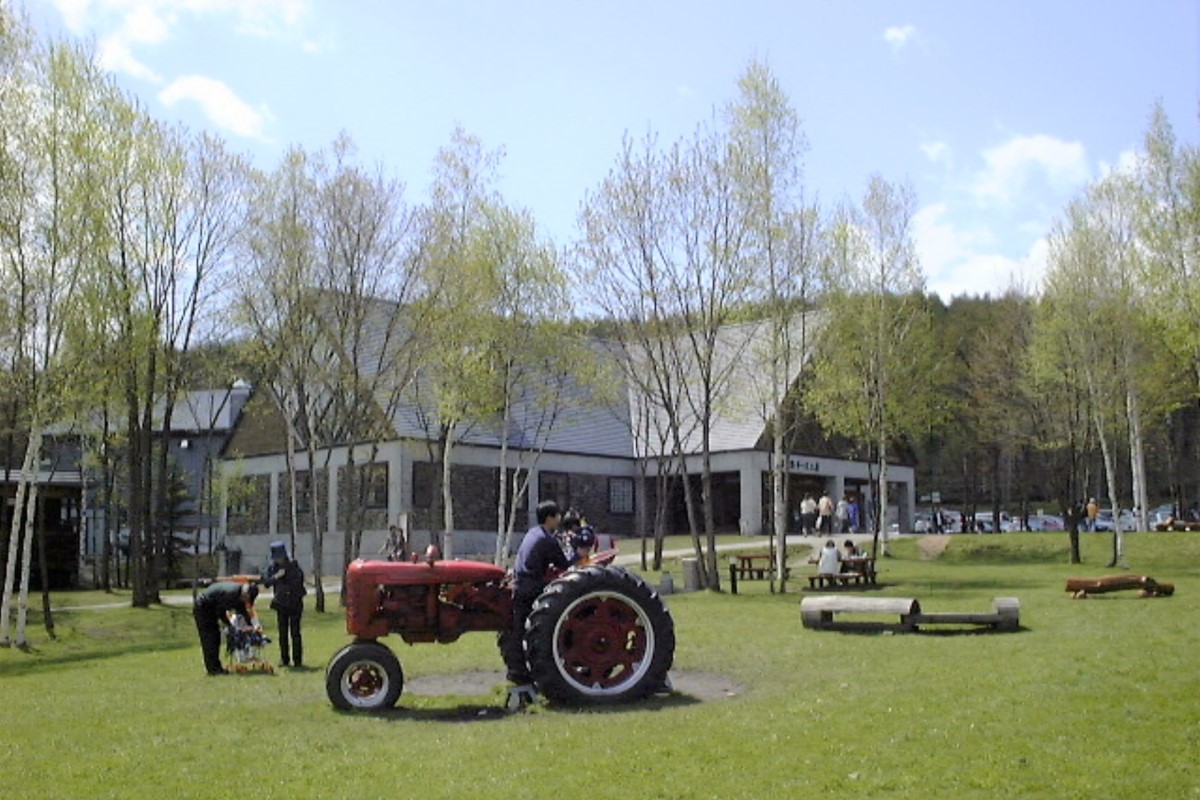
x=286 y=577
x=540 y=550
x=212 y=610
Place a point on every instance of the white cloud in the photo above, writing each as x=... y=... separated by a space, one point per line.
x=220 y=104
x=898 y=36
x=115 y=55
x=1128 y=163
x=1010 y=166
x=963 y=261
x=936 y=151
x=122 y=26
x=74 y=14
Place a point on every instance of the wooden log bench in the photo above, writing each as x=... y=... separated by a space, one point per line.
x=1005 y=616
x=1146 y=586
x=750 y=567
x=818 y=613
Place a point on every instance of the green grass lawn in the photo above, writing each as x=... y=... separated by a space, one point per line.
x=1093 y=698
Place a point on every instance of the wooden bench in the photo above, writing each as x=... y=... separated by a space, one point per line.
x=861 y=573
x=818 y=613
x=1005 y=616
x=837 y=579
x=751 y=566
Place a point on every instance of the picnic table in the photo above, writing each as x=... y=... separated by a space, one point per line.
x=857 y=571
x=750 y=566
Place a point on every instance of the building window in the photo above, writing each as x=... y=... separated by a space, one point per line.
x=303 y=492
x=375 y=485
x=554 y=486
x=240 y=494
x=620 y=495
x=423 y=477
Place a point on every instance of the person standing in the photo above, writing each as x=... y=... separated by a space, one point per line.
x=540 y=550
x=216 y=605
x=286 y=577
x=1093 y=512
x=825 y=515
x=808 y=515
x=842 y=515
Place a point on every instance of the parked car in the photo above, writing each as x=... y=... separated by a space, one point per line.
x=1159 y=515
x=1046 y=522
x=985 y=524
x=1104 y=520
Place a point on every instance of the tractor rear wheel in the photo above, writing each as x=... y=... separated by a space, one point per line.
x=364 y=676
x=599 y=635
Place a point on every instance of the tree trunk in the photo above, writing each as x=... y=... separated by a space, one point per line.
x=26 y=564
x=1118 y=541
x=779 y=502
x=447 y=496
x=318 y=531
x=1137 y=457
x=14 y=539
x=43 y=568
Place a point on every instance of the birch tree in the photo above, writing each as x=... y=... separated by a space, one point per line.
x=873 y=378
x=46 y=94
x=766 y=151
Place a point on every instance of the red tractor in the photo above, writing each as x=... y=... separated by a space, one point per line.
x=597 y=634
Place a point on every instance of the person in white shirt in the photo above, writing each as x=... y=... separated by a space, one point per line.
x=829 y=562
x=808 y=515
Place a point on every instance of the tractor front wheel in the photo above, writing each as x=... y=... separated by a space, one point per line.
x=364 y=676
x=599 y=635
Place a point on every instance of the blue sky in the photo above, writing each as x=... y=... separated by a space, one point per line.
x=996 y=112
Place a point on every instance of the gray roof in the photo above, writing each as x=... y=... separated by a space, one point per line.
x=744 y=399
x=582 y=421
x=210 y=410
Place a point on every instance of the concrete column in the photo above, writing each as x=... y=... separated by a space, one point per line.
x=750 y=516
x=273 y=507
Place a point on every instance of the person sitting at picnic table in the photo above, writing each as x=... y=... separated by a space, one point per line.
x=851 y=551
x=828 y=563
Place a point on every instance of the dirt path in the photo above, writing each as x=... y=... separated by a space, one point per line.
x=932 y=546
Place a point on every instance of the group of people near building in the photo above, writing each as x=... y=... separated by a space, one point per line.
x=823 y=516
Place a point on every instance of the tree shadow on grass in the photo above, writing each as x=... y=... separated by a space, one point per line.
x=40 y=661
x=1002 y=584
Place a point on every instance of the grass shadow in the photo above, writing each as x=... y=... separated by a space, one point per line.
x=63 y=660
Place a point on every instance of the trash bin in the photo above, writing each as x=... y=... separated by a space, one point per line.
x=667 y=585
x=691 y=574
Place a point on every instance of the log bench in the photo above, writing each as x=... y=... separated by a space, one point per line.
x=1146 y=586
x=1005 y=616
x=818 y=613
